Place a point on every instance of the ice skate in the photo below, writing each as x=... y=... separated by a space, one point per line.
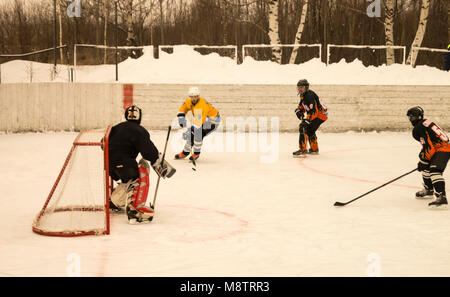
x=181 y=155
x=439 y=203
x=313 y=152
x=194 y=156
x=425 y=193
x=300 y=154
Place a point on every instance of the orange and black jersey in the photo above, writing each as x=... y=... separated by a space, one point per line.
x=432 y=138
x=312 y=105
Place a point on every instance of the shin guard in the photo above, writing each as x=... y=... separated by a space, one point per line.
x=137 y=211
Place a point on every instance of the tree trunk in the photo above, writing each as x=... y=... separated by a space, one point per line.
x=274 y=37
x=424 y=11
x=105 y=29
x=298 y=35
x=389 y=30
x=161 y=21
x=61 y=54
x=448 y=20
x=224 y=21
x=130 y=33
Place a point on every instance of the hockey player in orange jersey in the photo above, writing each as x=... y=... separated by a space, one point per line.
x=433 y=157
x=206 y=119
x=316 y=114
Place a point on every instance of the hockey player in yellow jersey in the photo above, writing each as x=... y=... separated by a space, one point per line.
x=206 y=119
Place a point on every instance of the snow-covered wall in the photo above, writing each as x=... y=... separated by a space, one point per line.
x=65 y=106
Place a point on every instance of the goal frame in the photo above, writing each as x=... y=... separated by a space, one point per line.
x=295 y=45
x=108 y=184
x=105 y=47
x=233 y=47
x=329 y=46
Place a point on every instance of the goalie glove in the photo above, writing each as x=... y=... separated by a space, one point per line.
x=163 y=170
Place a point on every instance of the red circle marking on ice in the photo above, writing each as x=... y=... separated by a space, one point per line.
x=240 y=228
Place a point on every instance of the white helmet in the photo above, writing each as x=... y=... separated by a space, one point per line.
x=193 y=91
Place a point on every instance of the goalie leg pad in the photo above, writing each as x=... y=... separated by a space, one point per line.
x=137 y=211
x=144 y=184
x=119 y=195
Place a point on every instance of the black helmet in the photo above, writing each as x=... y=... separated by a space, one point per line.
x=415 y=114
x=303 y=83
x=133 y=114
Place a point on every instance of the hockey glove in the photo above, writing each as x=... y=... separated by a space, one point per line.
x=299 y=114
x=423 y=165
x=182 y=119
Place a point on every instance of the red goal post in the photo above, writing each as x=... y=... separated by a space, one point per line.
x=78 y=202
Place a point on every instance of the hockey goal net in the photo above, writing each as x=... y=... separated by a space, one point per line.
x=78 y=203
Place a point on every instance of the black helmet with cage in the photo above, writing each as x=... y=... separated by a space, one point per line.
x=133 y=114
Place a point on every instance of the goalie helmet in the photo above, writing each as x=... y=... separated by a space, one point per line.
x=133 y=114
x=415 y=114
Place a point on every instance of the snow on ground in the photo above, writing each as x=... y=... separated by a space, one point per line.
x=238 y=216
x=188 y=66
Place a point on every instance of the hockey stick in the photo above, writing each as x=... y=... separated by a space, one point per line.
x=391 y=181
x=194 y=165
x=162 y=162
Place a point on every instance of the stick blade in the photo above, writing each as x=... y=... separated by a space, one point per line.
x=339 y=203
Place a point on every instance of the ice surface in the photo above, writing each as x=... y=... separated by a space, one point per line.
x=238 y=216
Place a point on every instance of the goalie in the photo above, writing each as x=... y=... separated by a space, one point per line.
x=126 y=141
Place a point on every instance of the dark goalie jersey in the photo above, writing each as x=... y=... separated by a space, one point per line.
x=127 y=140
x=432 y=138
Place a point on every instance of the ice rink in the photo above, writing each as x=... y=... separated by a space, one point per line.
x=243 y=212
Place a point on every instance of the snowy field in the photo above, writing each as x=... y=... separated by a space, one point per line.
x=239 y=216
x=214 y=69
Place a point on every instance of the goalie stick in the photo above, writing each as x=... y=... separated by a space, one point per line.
x=162 y=162
x=385 y=184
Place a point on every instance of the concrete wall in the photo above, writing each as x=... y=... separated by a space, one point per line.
x=75 y=106
x=349 y=107
x=58 y=106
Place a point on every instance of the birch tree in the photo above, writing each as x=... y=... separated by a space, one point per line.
x=298 y=35
x=274 y=37
x=129 y=18
x=60 y=11
x=389 y=30
x=420 y=33
x=105 y=28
